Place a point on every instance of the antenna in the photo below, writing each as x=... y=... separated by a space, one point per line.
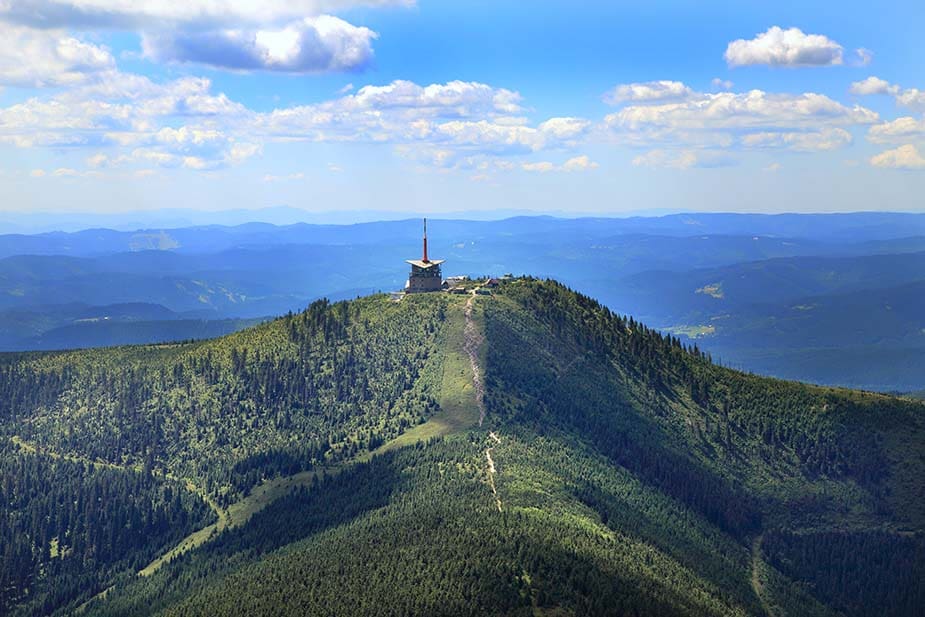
x=425 y=260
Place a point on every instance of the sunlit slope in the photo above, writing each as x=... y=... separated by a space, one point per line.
x=615 y=473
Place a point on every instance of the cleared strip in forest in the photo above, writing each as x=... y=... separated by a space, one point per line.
x=472 y=346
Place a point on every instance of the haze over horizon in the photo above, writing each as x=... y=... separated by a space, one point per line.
x=403 y=106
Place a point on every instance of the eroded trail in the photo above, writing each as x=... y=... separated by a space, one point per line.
x=473 y=341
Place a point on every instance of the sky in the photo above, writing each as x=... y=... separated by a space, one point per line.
x=438 y=106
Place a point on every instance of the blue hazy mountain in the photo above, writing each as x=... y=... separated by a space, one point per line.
x=781 y=294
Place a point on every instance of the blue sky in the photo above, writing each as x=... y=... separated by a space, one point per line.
x=112 y=105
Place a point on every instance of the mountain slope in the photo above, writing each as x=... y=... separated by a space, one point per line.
x=615 y=472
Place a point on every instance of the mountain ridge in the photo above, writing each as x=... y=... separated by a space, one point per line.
x=660 y=481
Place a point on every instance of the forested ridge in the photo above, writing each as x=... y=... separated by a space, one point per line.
x=637 y=477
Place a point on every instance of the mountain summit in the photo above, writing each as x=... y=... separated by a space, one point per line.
x=521 y=452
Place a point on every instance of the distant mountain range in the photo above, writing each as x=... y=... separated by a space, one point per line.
x=787 y=295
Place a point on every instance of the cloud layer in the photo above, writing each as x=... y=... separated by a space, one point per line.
x=205 y=14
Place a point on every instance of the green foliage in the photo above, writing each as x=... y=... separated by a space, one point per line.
x=318 y=386
x=70 y=526
x=632 y=476
x=860 y=573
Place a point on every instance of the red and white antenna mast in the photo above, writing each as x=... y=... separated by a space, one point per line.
x=425 y=260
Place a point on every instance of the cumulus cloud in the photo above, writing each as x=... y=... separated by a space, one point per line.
x=903 y=157
x=912 y=98
x=779 y=47
x=740 y=111
x=647 y=91
x=873 y=85
x=565 y=128
x=691 y=132
x=297 y=36
x=312 y=45
x=38 y=58
x=184 y=123
x=900 y=129
x=721 y=84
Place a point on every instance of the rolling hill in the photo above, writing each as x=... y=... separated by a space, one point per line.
x=524 y=452
x=856 y=321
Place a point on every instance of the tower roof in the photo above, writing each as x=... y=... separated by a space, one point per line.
x=420 y=263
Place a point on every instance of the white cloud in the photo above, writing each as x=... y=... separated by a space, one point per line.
x=900 y=129
x=648 y=91
x=312 y=45
x=773 y=168
x=39 y=58
x=913 y=98
x=807 y=141
x=565 y=128
x=705 y=121
x=903 y=157
x=171 y=13
x=873 y=85
x=735 y=112
x=131 y=120
x=779 y=47
x=579 y=163
x=683 y=159
x=722 y=84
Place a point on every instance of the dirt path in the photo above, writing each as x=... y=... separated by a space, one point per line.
x=473 y=343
